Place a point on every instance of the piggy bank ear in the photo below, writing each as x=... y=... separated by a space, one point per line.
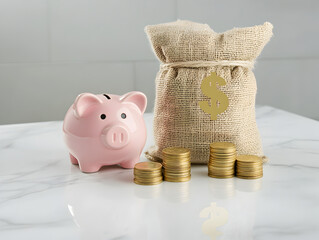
x=83 y=102
x=138 y=98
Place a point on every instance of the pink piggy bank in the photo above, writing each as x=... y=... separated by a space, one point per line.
x=105 y=129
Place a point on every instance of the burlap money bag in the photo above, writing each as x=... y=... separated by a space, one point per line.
x=189 y=52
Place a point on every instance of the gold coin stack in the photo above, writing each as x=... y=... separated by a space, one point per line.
x=148 y=173
x=249 y=167
x=222 y=160
x=177 y=164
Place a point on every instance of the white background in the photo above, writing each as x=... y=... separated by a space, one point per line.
x=52 y=50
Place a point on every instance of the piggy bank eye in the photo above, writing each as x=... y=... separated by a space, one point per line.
x=123 y=115
x=103 y=116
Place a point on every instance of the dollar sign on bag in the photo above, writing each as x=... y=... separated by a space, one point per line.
x=218 y=100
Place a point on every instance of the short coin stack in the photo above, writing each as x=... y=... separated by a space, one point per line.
x=222 y=160
x=177 y=165
x=148 y=173
x=249 y=167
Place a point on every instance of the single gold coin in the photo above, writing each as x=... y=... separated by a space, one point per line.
x=221 y=175
x=155 y=171
x=214 y=155
x=249 y=158
x=168 y=170
x=176 y=171
x=224 y=152
x=249 y=173
x=176 y=159
x=147 y=183
x=223 y=146
x=245 y=177
x=221 y=168
x=219 y=159
x=176 y=151
x=148 y=166
x=220 y=172
x=177 y=179
x=217 y=153
x=248 y=170
x=249 y=164
x=222 y=165
x=147 y=171
x=143 y=178
x=215 y=176
x=146 y=174
x=176 y=163
x=222 y=161
x=179 y=156
x=177 y=174
x=215 y=159
x=176 y=166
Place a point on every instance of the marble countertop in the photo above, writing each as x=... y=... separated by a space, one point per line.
x=43 y=196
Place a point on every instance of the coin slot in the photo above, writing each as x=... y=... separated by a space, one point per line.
x=107 y=96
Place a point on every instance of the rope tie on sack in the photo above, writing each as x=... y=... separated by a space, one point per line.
x=199 y=64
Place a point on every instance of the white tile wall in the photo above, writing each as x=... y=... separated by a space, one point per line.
x=51 y=50
x=295 y=21
x=44 y=92
x=112 y=30
x=291 y=84
x=23 y=31
x=145 y=73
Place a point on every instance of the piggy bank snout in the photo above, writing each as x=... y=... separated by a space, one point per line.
x=115 y=137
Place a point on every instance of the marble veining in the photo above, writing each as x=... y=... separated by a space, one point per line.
x=43 y=196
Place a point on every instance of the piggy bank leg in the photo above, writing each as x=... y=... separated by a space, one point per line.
x=89 y=167
x=73 y=160
x=130 y=163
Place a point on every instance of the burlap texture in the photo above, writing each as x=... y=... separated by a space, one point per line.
x=178 y=119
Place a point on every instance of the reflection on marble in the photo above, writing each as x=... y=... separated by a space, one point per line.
x=249 y=186
x=43 y=196
x=222 y=188
x=217 y=217
x=176 y=192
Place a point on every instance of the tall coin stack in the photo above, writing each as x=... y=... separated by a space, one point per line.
x=249 y=167
x=222 y=160
x=148 y=173
x=177 y=164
